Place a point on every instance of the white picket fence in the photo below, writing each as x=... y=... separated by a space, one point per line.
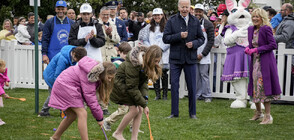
x=20 y=61
x=225 y=90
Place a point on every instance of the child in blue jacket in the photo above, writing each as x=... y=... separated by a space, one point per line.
x=68 y=56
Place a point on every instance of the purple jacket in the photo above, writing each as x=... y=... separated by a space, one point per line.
x=72 y=88
x=266 y=45
x=3 y=78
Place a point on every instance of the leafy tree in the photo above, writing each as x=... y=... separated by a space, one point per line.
x=11 y=8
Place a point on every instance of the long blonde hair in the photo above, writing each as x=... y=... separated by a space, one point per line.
x=264 y=16
x=152 y=69
x=106 y=86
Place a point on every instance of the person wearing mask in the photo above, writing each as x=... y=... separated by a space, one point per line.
x=88 y=33
x=55 y=32
x=184 y=34
x=202 y=82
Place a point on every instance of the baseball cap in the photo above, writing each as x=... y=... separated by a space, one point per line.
x=60 y=3
x=199 y=6
x=86 y=8
x=157 y=11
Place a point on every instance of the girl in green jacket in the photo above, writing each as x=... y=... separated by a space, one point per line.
x=130 y=85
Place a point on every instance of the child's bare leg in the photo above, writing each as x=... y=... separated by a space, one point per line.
x=82 y=122
x=133 y=111
x=137 y=123
x=65 y=123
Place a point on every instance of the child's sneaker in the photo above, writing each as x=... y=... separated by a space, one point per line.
x=105 y=112
x=2 y=122
x=106 y=126
x=44 y=114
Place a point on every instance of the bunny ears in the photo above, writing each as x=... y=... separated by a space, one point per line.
x=231 y=4
x=93 y=75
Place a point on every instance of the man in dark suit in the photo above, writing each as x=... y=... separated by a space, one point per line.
x=120 y=25
x=184 y=34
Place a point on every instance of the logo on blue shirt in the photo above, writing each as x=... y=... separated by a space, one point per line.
x=62 y=36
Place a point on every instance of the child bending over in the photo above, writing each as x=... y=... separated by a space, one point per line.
x=78 y=84
x=68 y=56
x=130 y=85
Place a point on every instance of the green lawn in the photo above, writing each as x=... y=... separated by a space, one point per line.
x=215 y=121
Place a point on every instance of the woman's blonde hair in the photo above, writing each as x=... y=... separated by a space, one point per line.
x=106 y=86
x=7 y=20
x=263 y=14
x=152 y=69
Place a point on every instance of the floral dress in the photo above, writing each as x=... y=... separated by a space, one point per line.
x=258 y=88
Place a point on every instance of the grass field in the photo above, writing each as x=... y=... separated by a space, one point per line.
x=215 y=121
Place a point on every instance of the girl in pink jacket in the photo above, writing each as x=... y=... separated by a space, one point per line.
x=3 y=81
x=78 y=84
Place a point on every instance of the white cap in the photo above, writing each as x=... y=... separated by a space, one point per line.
x=86 y=8
x=199 y=6
x=157 y=11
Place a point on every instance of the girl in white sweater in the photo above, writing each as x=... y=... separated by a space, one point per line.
x=23 y=36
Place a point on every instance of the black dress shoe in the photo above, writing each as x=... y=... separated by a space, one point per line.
x=172 y=116
x=193 y=117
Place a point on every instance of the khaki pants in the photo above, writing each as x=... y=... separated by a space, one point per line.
x=102 y=104
x=118 y=114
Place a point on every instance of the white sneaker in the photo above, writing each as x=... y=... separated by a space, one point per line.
x=106 y=126
x=2 y=122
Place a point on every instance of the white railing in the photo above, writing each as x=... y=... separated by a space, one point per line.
x=20 y=61
x=285 y=61
x=225 y=90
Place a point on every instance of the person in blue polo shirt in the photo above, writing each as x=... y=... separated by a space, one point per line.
x=120 y=26
x=55 y=32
